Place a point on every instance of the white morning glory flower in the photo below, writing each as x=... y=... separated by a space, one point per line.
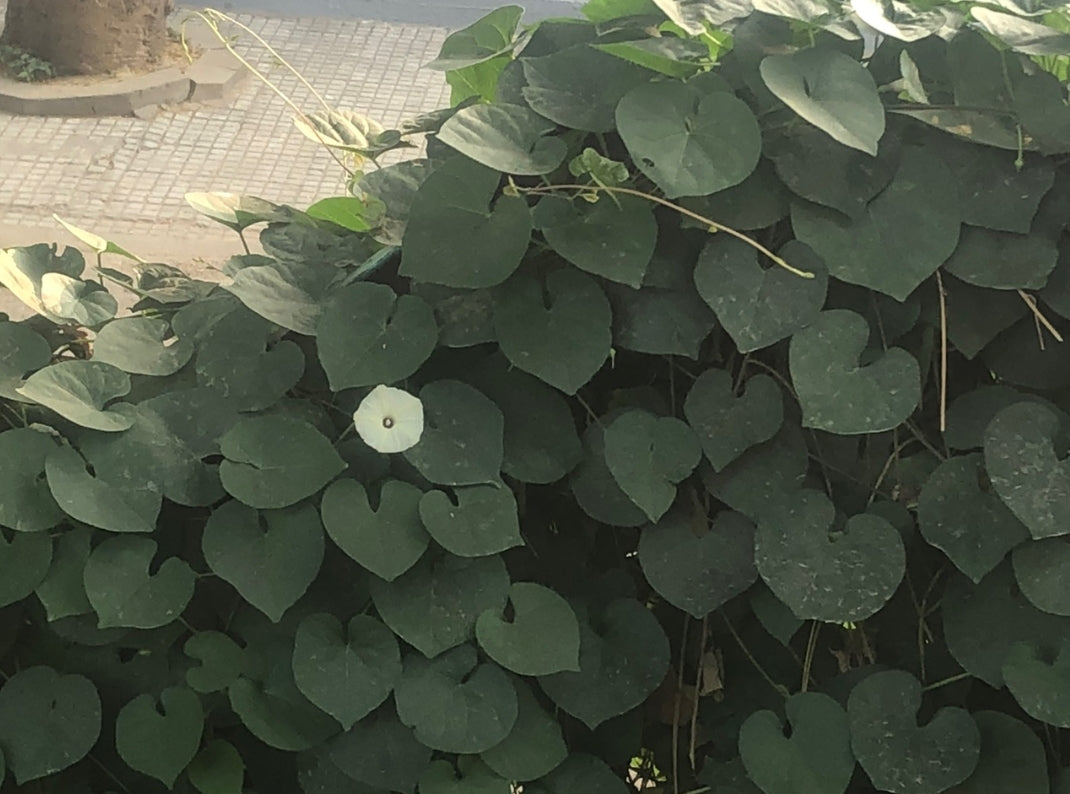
x=389 y=419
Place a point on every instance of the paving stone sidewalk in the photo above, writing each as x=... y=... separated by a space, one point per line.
x=125 y=178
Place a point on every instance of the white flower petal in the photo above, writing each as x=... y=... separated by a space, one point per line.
x=389 y=419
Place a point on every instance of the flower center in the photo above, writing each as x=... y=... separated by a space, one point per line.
x=388 y=422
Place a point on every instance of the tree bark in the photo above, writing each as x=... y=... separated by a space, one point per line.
x=89 y=36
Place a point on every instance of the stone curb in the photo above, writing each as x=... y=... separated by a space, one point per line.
x=213 y=76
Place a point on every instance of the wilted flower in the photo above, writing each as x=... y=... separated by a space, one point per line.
x=389 y=419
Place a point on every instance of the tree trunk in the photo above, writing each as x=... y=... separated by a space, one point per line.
x=89 y=36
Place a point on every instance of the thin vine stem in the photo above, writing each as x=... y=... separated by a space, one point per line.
x=709 y=223
x=780 y=688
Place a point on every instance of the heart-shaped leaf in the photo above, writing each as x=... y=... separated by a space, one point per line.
x=23 y=269
x=26 y=504
x=832 y=91
x=1041 y=569
x=690 y=143
x=579 y=87
x=823 y=572
x=478 y=521
x=1038 y=675
x=22 y=351
x=984 y=258
x=454 y=208
x=964 y=519
x=662 y=322
x=815 y=759
x=80 y=391
x=982 y=622
x=699 y=572
x=367 y=335
x=623 y=658
x=234 y=210
x=462 y=439
x=471 y=776
x=222 y=661
x=62 y=591
x=543 y=636
x=124 y=593
x=613 y=238
x=508 y=138
x=348 y=671
x=387 y=541
x=24 y=563
x=841 y=396
x=380 y=752
x=595 y=489
x=648 y=455
x=1012 y=757
x=217 y=769
x=488 y=37
x=819 y=169
x=897 y=754
x=873 y=250
x=269 y=557
x=275 y=461
x=560 y=332
x=455 y=704
x=48 y=722
x=540 y=444
x=776 y=466
x=582 y=772
x=533 y=747
x=142 y=346
x=74 y=300
x=759 y=305
x=434 y=606
x=282 y=719
x=726 y=425
x=1025 y=471
x=160 y=743
x=290 y=294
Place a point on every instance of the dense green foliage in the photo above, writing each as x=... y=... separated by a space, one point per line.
x=695 y=412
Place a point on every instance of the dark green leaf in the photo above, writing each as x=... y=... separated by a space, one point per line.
x=26 y=504
x=48 y=721
x=62 y=592
x=899 y=756
x=727 y=425
x=368 y=335
x=221 y=660
x=579 y=87
x=80 y=391
x=960 y=515
x=623 y=658
x=839 y=395
x=507 y=138
x=269 y=557
x=1025 y=470
x=458 y=234
x=434 y=606
x=832 y=91
x=21 y=352
x=462 y=439
x=699 y=568
x=471 y=777
x=533 y=747
x=903 y=236
x=24 y=563
x=280 y=720
x=289 y=294
x=595 y=489
x=478 y=520
x=455 y=704
x=1042 y=569
x=1002 y=260
x=217 y=769
x=824 y=572
x=648 y=456
x=275 y=461
x=124 y=593
x=815 y=759
x=613 y=238
x=345 y=671
x=759 y=303
x=1012 y=758
x=1038 y=675
x=381 y=753
x=159 y=742
x=689 y=143
x=774 y=467
x=387 y=541
x=560 y=332
x=542 y=637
